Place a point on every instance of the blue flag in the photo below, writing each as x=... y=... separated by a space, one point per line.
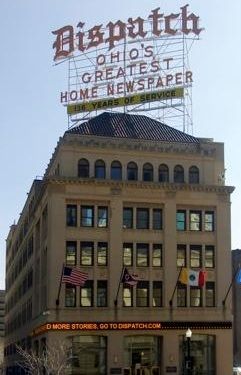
x=238 y=276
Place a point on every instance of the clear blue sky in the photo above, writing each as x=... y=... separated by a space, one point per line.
x=32 y=118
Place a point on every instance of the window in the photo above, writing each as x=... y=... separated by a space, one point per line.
x=195 y=256
x=127 y=296
x=116 y=170
x=163 y=173
x=86 y=253
x=99 y=169
x=157 y=218
x=127 y=217
x=157 y=255
x=142 y=255
x=127 y=254
x=209 y=221
x=147 y=172
x=181 y=220
x=70 y=295
x=102 y=221
x=181 y=256
x=142 y=218
x=71 y=215
x=210 y=294
x=193 y=175
x=195 y=296
x=142 y=294
x=209 y=256
x=101 y=293
x=86 y=294
x=157 y=294
x=195 y=220
x=102 y=253
x=83 y=168
x=132 y=171
x=181 y=295
x=178 y=174
x=87 y=216
x=71 y=253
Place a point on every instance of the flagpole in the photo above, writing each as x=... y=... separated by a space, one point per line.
x=230 y=286
x=60 y=284
x=170 y=302
x=116 y=298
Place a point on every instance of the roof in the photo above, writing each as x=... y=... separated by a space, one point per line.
x=128 y=126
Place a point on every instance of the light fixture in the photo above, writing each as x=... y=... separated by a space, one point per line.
x=188 y=333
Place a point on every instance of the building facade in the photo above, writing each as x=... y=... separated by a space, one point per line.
x=125 y=191
x=2 y=307
x=236 y=262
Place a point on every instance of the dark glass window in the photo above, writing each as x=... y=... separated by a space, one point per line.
x=99 y=169
x=181 y=295
x=102 y=221
x=71 y=253
x=157 y=218
x=195 y=221
x=181 y=220
x=127 y=217
x=70 y=295
x=142 y=218
x=132 y=171
x=193 y=175
x=147 y=172
x=181 y=255
x=87 y=216
x=101 y=293
x=71 y=215
x=157 y=294
x=86 y=253
x=163 y=173
x=127 y=296
x=209 y=221
x=209 y=256
x=127 y=254
x=195 y=296
x=178 y=174
x=102 y=253
x=142 y=294
x=83 y=168
x=195 y=256
x=116 y=170
x=86 y=294
x=210 y=294
x=157 y=255
x=142 y=255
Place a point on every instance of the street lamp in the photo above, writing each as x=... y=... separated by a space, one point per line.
x=188 y=359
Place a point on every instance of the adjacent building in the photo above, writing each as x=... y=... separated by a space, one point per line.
x=236 y=263
x=2 y=304
x=123 y=192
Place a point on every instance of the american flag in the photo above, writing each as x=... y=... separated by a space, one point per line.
x=73 y=275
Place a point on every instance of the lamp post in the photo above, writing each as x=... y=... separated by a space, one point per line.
x=188 y=359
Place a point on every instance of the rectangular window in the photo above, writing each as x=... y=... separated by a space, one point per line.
x=127 y=296
x=195 y=296
x=101 y=293
x=181 y=295
x=87 y=216
x=181 y=220
x=102 y=253
x=142 y=218
x=142 y=255
x=70 y=295
x=209 y=221
x=156 y=218
x=142 y=294
x=127 y=254
x=86 y=294
x=195 y=220
x=157 y=294
x=157 y=255
x=210 y=294
x=71 y=253
x=195 y=256
x=209 y=256
x=127 y=217
x=102 y=221
x=181 y=255
x=86 y=253
x=71 y=215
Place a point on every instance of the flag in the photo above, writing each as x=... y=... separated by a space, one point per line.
x=128 y=279
x=191 y=277
x=74 y=276
x=238 y=277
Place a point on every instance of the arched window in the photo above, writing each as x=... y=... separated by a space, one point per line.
x=116 y=170
x=147 y=172
x=193 y=175
x=83 y=168
x=132 y=171
x=178 y=173
x=163 y=173
x=99 y=169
